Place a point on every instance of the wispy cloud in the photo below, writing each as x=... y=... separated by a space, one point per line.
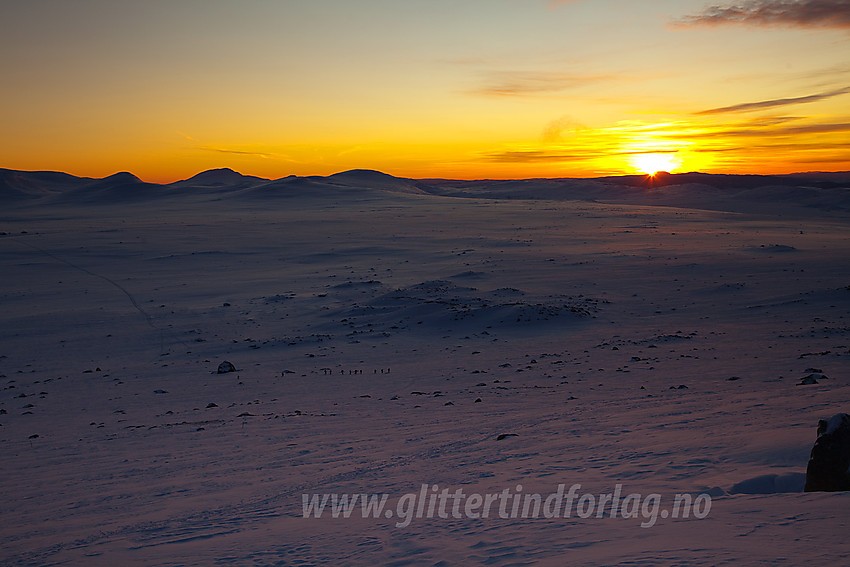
x=541 y=155
x=746 y=143
x=535 y=156
x=519 y=83
x=822 y=128
x=794 y=13
x=236 y=152
x=761 y=105
x=557 y=129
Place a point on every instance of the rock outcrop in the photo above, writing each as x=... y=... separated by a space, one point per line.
x=830 y=459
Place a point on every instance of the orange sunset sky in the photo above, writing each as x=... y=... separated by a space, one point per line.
x=424 y=88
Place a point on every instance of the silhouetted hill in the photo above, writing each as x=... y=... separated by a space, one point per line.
x=222 y=177
x=15 y=185
x=370 y=179
x=120 y=187
x=818 y=193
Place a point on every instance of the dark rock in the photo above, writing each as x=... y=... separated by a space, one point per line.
x=226 y=367
x=212 y=405
x=808 y=380
x=506 y=435
x=830 y=458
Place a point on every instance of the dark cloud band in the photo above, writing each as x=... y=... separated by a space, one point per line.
x=761 y=105
x=799 y=13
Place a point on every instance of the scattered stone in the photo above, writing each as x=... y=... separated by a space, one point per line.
x=816 y=376
x=34 y=436
x=478 y=400
x=808 y=380
x=823 y=353
x=815 y=370
x=733 y=378
x=160 y=391
x=245 y=414
x=827 y=470
x=212 y=405
x=448 y=404
x=226 y=367
x=506 y=435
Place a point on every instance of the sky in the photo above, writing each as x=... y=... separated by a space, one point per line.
x=424 y=88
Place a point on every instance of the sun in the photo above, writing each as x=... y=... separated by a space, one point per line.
x=652 y=163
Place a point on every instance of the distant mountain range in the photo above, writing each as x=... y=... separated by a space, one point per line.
x=825 y=192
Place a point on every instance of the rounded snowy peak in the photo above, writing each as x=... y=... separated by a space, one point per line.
x=122 y=177
x=223 y=176
x=371 y=179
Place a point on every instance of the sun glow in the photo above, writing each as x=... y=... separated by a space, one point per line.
x=652 y=163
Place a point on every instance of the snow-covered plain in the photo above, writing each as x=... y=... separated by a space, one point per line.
x=651 y=335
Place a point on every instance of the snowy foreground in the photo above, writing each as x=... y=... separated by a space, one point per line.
x=390 y=337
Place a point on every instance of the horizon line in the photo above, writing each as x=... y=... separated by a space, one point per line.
x=368 y=170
